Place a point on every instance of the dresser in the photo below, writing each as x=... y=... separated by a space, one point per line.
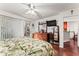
x=40 y=36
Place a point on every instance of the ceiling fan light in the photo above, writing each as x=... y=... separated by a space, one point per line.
x=30 y=12
x=31 y=6
x=31 y=9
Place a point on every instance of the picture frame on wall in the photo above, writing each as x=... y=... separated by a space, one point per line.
x=27 y=30
x=42 y=27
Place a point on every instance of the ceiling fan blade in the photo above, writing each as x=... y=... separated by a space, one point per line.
x=32 y=7
x=27 y=5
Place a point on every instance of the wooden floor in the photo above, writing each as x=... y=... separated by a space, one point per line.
x=70 y=49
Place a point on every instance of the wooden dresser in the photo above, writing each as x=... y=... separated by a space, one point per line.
x=40 y=36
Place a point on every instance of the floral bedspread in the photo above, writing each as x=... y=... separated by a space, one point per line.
x=25 y=47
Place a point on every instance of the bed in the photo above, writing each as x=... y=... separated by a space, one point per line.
x=25 y=47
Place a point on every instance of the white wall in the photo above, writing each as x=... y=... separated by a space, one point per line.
x=15 y=25
x=73 y=26
x=60 y=19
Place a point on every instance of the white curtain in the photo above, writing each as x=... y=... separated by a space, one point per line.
x=11 y=27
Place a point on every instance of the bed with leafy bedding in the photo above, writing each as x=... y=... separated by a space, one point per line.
x=25 y=47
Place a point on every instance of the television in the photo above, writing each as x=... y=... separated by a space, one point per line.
x=52 y=23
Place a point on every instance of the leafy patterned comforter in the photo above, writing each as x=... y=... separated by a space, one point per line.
x=25 y=47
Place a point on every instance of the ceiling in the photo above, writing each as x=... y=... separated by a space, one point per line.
x=43 y=9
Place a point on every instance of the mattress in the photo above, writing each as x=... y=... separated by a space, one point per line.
x=25 y=47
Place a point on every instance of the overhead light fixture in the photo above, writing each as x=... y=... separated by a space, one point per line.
x=30 y=12
x=32 y=6
x=31 y=9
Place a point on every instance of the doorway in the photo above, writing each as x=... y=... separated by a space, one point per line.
x=71 y=26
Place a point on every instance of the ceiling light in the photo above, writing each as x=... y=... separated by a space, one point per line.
x=31 y=6
x=30 y=12
x=31 y=9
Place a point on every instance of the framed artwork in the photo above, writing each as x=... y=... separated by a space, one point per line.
x=42 y=27
x=27 y=29
x=65 y=26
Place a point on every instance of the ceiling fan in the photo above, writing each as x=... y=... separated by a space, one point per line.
x=32 y=10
